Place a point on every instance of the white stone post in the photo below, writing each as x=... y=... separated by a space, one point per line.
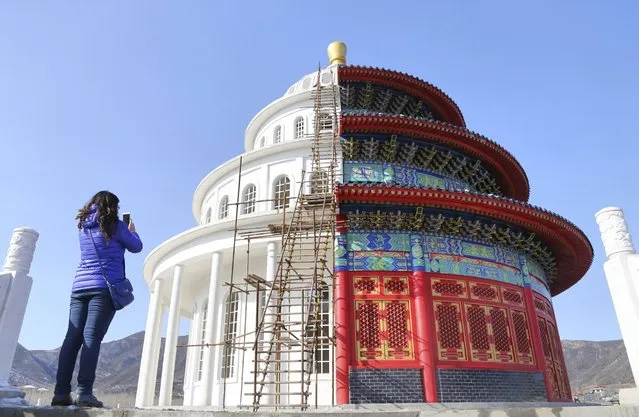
x=15 y=286
x=148 y=374
x=208 y=370
x=170 y=345
x=622 y=273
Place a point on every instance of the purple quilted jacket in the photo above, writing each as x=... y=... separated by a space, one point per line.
x=88 y=275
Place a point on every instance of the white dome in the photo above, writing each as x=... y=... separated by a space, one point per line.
x=298 y=98
x=309 y=81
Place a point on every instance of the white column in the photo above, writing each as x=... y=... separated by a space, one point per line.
x=271 y=270
x=168 y=362
x=15 y=286
x=622 y=273
x=155 y=354
x=220 y=309
x=191 y=355
x=208 y=373
x=146 y=381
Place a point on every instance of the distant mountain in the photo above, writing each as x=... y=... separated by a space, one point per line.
x=117 y=370
x=596 y=363
x=588 y=363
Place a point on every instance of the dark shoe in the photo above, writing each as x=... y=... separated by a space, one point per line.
x=61 y=400
x=88 y=400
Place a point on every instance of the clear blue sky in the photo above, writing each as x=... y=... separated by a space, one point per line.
x=144 y=98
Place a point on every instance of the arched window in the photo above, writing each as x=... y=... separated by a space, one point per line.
x=282 y=192
x=325 y=121
x=299 y=128
x=231 y=308
x=319 y=303
x=277 y=134
x=262 y=142
x=208 y=215
x=223 y=210
x=248 y=199
x=200 y=365
x=319 y=182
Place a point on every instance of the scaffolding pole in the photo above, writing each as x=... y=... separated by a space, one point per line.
x=298 y=342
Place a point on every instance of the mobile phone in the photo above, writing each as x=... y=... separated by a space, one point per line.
x=126 y=218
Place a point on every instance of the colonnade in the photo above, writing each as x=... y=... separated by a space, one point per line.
x=214 y=333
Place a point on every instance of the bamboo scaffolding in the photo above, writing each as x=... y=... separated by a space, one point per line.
x=298 y=327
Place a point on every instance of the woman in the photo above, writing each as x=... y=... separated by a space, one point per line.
x=91 y=309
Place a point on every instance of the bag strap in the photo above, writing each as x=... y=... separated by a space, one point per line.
x=95 y=248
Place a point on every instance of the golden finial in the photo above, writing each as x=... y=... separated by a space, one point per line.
x=337 y=52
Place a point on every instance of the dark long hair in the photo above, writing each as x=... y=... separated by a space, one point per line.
x=108 y=205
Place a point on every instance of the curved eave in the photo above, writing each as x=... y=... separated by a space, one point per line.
x=176 y=242
x=232 y=165
x=569 y=245
x=436 y=98
x=509 y=173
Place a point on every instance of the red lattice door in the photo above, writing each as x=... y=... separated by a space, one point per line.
x=478 y=319
x=449 y=331
x=546 y=344
x=502 y=338
x=383 y=318
x=523 y=341
x=398 y=340
x=563 y=385
x=368 y=330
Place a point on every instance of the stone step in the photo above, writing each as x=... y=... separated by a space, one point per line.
x=353 y=410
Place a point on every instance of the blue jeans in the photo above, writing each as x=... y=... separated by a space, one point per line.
x=90 y=315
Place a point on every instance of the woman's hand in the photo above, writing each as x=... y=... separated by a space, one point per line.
x=131 y=226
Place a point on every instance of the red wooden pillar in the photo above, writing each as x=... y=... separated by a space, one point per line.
x=430 y=333
x=342 y=301
x=538 y=346
x=423 y=345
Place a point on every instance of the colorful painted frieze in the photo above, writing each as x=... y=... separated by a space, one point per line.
x=454 y=246
x=358 y=242
x=378 y=172
x=379 y=261
x=536 y=270
x=459 y=265
x=539 y=287
x=397 y=251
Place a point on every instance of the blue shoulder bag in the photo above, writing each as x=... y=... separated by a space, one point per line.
x=121 y=292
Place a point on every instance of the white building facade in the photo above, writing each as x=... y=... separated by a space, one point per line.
x=190 y=275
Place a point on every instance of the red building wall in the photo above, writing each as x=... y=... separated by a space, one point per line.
x=470 y=324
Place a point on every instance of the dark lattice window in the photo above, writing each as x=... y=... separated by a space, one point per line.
x=223 y=210
x=299 y=128
x=282 y=192
x=230 y=331
x=248 y=199
x=277 y=134
x=319 y=328
x=205 y=313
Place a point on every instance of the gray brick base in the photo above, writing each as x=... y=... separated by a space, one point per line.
x=386 y=386
x=480 y=385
